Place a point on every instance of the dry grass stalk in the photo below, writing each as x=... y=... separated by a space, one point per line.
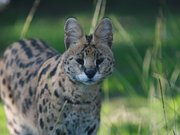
x=29 y=18
x=98 y=14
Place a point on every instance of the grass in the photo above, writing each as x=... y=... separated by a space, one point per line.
x=132 y=116
x=139 y=116
x=3 y=124
x=142 y=97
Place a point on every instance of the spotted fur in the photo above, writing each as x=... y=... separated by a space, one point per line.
x=45 y=93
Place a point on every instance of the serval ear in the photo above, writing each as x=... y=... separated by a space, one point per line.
x=73 y=32
x=103 y=33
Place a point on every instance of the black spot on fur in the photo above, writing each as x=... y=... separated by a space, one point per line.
x=57 y=57
x=46 y=86
x=90 y=131
x=26 y=49
x=44 y=101
x=35 y=73
x=18 y=74
x=10 y=95
x=26 y=105
x=53 y=72
x=41 y=123
x=48 y=120
x=27 y=73
x=36 y=45
x=14 y=51
x=29 y=77
x=49 y=54
x=30 y=91
x=9 y=87
x=51 y=128
x=39 y=61
x=71 y=58
x=65 y=115
x=21 y=82
x=59 y=83
x=4 y=81
x=42 y=92
x=40 y=108
x=56 y=93
x=44 y=70
x=25 y=65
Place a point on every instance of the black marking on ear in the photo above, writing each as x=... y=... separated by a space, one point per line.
x=89 y=39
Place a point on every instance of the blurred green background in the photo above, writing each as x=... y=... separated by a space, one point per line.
x=142 y=96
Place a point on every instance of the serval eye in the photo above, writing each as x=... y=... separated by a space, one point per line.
x=99 y=61
x=80 y=61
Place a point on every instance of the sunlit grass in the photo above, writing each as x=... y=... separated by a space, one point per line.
x=138 y=116
x=3 y=125
x=132 y=116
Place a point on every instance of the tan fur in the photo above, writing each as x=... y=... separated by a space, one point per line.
x=45 y=93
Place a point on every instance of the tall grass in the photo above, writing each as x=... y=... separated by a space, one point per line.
x=29 y=18
x=151 y=71
x=98 y=14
